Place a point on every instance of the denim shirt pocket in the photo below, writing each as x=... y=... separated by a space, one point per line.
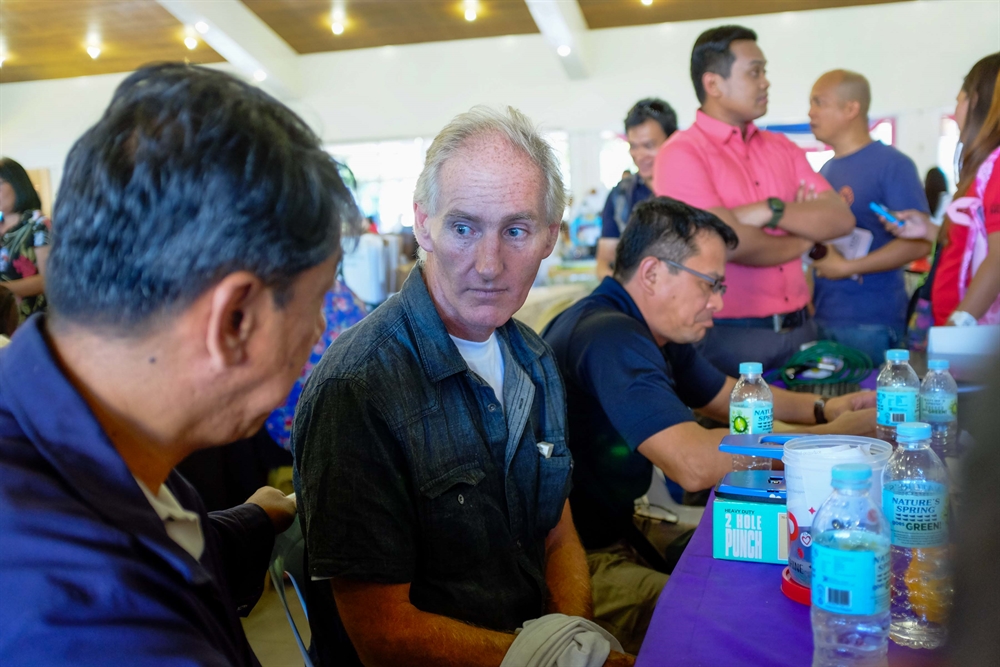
x=554 y=475
x=452 y=517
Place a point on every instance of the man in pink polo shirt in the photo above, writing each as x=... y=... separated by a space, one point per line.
x=762 y=186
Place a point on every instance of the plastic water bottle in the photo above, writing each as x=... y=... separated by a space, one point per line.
x=915 y=501
x=939 y=407
x=896 y=395
x=850 y=574
x=751 y=410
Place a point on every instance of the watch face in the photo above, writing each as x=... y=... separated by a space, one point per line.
x=776 y=204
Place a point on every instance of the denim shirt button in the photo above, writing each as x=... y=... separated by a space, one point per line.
x=518 y=543
x=492 y=407
x=461 y=499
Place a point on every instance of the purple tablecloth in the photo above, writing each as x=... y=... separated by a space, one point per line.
x=720 y=613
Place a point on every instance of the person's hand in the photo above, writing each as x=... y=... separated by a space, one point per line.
x=859 y=400
x=756 y=214
x=916 y=225
x=805 y=192
x=619 y=660
x=833 y=266
x=279 y=507
x=854 y=422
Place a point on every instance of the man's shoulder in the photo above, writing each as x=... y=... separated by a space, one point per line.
x=594 y=321
x=688 y=140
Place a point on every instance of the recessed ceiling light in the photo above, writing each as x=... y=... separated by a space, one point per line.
x=93 y=52
x=647 y=2
x=563 y=50
x=470 y=14
x=191 y=43
x=201 y=27
x=338 y=28
x=259 y=75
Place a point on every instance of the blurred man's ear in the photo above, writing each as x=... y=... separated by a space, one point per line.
x=234 y=313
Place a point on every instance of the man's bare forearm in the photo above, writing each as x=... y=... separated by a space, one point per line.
x=566 y=571
x=387 y=630
x=822 y=219
x=893 y=255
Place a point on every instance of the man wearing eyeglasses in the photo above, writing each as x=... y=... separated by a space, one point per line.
x=633 y=376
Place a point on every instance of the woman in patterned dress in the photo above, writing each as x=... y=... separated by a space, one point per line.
x=24 y=239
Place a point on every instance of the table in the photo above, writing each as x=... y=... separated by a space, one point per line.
x=720 y=613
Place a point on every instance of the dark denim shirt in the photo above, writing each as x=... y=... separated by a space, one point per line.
x=88 y=573
x=408 y=470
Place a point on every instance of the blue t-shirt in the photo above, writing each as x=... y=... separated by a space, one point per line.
x=621 y=388
x=621 y=200
x=876 y=173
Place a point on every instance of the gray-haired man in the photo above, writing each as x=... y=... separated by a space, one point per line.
x=430 y=440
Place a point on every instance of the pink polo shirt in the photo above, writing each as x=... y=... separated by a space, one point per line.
x=710 y=165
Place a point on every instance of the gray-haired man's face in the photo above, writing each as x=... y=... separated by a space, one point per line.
x=486 y=240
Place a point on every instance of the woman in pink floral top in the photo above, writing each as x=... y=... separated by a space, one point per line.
x=24 y=238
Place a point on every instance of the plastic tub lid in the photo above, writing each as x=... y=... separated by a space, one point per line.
x=751 y=368
x=793 y=590
x=898 y=355
x=938 y=364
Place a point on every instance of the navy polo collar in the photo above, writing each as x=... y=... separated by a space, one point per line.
x=613 y=293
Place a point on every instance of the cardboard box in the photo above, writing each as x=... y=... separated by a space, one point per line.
x=754 y=532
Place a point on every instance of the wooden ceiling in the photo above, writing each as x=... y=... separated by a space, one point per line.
x=617 y=13
x=48 y=39
x=306 y=24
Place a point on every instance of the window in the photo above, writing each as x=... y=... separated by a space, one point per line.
x=947 y=149
x=614 y=158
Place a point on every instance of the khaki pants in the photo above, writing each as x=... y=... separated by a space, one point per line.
x=625 y=589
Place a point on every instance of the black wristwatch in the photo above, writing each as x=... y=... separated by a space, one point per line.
x=819 y=410
x=777 y=210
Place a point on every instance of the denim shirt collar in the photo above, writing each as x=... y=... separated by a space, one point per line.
x=438 y=354
x=58 y=422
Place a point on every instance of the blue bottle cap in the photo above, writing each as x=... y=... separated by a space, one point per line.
x=897 y=355
x=851 y=473
x=938 y=364
x=913 y=431
x=751 y=368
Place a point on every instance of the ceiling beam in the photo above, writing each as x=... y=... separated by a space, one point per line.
x=243 y=39
x=562 y=24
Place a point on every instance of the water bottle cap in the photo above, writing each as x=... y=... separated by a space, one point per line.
x=898 y=355
x=913 y=431
x=851 y=473
x=938 y=364
x=751 y=368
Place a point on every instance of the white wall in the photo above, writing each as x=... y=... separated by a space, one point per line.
x=915 y=55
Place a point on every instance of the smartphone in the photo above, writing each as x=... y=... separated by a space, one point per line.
x=884 y=212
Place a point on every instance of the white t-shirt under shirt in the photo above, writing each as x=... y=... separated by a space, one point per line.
x=485 y=359
x=183 y=526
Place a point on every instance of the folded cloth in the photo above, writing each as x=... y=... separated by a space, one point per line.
x=557 y=640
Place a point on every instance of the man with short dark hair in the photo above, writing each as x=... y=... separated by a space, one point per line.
x=633 y=375
x=761 y=185
x=649 y=123
x=861 y=301
x=429 y=442
x=199 y=226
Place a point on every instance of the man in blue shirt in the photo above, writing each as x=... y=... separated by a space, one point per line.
x=633 y=376
x=649 y=123
x=861 y=301
x=199 y=230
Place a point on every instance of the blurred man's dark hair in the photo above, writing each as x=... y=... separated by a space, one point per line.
x=190 y=175
x=711 y=53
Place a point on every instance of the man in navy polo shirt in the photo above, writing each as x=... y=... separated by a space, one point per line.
x=861 y=302
x=198 y=231
x=632 y=378
x=649 y=123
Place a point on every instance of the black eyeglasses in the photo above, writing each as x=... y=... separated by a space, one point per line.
x=718 y=284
